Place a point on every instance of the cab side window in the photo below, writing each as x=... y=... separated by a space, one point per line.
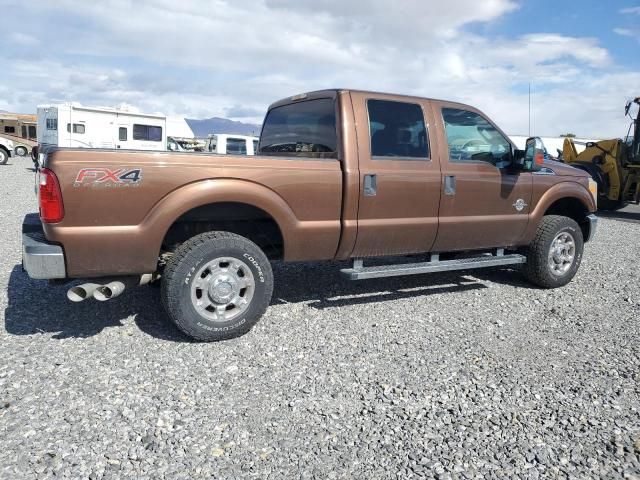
x=397 y=130
x=472 y=138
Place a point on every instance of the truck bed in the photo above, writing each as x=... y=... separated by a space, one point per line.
x=106 y=211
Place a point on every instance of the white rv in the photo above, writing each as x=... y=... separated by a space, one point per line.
x=74 y=125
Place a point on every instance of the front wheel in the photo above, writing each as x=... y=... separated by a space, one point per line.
x=216 y=286
x=4 y=156
x=555 y=254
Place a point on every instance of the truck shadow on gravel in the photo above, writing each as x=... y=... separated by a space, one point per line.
x=631 y=217
x=34 y=307
x=320 y=285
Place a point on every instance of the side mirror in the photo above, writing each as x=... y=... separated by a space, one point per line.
x=533 y=155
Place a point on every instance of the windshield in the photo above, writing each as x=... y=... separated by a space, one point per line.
x=303 y=129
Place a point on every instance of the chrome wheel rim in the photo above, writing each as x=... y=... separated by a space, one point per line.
x=222 y=289
x=562 y=254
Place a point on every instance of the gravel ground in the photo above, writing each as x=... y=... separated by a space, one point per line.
x=446 y=376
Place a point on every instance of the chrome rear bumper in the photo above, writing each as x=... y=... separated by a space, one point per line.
x=40 y=259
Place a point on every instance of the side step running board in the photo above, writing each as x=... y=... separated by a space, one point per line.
x=360 y=272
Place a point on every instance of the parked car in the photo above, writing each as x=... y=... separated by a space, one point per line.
x=6 y=150
x=341 y=175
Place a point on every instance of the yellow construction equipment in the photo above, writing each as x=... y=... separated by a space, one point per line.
x=613 y=164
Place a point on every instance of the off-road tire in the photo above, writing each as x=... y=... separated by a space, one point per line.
x=4 y=156
x=180 y=272
x=21 y=151
x=537 y=269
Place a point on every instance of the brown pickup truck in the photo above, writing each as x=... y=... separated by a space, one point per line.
x=340 y=174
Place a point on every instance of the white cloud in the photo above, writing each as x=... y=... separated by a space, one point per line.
x=19 y=38
x=215 y=58
x=628 y=32
x=631 y=10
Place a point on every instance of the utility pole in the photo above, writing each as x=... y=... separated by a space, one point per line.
x=529 y=109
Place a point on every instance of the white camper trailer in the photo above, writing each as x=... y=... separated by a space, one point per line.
x=74 y=125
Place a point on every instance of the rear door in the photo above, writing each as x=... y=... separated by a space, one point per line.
x=484 y=202
x=399 y=177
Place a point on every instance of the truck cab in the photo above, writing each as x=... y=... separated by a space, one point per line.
x=430 y=175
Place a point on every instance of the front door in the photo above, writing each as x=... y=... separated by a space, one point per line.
x=484 y=203
x=399 y=178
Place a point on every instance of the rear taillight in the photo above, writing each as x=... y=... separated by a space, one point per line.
x=50 y=197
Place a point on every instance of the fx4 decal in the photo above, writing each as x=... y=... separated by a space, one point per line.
x=104 y=177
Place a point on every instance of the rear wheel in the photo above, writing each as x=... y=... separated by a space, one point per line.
x=4 y=156
x=21 y=151
x=216 y=286
x=555 y=254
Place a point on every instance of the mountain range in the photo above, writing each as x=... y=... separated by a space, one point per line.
x=202 y=128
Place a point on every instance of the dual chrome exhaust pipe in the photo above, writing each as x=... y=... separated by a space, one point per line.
x=82 y=292
x=108 y=288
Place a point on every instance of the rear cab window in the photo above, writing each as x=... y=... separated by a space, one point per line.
x=302 y=129
x=397 y=130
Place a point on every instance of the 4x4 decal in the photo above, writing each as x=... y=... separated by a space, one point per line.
x=104 y=177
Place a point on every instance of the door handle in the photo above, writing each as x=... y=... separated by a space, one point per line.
x=449 y=184
x=370 y=185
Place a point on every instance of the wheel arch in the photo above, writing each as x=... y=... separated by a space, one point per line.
x=242 y=219
x=212 y=197
x=570 y=199
x=573 y=208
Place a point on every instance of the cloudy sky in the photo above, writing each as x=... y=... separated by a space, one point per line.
x=205 y=58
